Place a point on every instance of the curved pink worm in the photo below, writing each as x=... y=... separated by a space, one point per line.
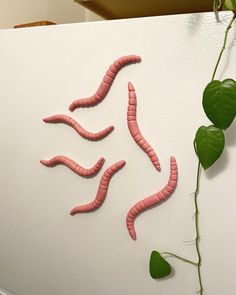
x=134 y=129
x=74 y=166
x=102 y=190
x=106 y=83
x=148 y=202
x=84 y=133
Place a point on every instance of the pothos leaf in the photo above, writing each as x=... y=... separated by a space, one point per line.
x=219 y=102
x=229 y=5
x=158 y=266
x=209 y=144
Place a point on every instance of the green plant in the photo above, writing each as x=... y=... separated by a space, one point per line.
x=219 y=104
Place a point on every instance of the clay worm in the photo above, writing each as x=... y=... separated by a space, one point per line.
x=102 y=190
x=84 y=133
x=134 y=129
x=74 y=166
x=154 y=199
x=106 y=83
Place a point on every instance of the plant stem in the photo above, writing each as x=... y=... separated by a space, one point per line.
x=224 y=45
x=179 y=257
x=197 y=239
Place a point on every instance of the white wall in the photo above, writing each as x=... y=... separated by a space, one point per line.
x=45 y=251
x=13 y=12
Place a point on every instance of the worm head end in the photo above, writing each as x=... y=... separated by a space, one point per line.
x=121 y=164
x=102 y=160
x=111 y=128
x=133 y=234
x=73 y=212
x=46 y=120
x=130 y=86
x=139 y=59
x=72 y=107
x=172 y=159
x=158 y=168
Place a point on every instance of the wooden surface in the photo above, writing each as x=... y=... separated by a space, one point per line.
x=114 y=9
x=35 y=24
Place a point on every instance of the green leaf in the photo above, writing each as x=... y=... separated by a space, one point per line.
x=158 y=267
x=219 y=102
x=229 y=5
x=209 y=144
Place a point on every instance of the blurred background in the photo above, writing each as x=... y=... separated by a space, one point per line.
x=18 y=13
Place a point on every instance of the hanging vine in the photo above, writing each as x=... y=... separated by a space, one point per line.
x=219 y=104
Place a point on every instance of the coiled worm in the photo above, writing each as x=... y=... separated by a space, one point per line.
x=90 y=172
x=106 y=83
x=134 y=129
x=102 y=190
x=82 y=132
x=148 y=202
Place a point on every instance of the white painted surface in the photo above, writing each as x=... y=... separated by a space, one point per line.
x=46 y=251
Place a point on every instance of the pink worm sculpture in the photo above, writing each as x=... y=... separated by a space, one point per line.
x=74 y=166
x=134 y=129
x=84 y=133
x=106 y=83
x=102 y=190
x=154 y=199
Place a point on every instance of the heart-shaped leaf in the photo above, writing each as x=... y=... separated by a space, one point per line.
x=219 y=102
x=158 y=267
x=209 y=144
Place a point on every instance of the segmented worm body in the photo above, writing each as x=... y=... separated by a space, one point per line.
x=134 y=129
x=106 y=83
x=60 y=118
x=90 y=172
x=102 y=190
x=154 y=199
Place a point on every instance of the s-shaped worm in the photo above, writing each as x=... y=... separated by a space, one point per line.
x=106 y=83
x=84 y=133
x=102 y=190
x=74 y=166
x=134 y=129
x=154 y=199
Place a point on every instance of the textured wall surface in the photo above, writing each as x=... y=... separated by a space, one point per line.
x=46 y=251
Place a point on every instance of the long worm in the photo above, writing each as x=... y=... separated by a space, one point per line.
x=134 y=129
x=102 y=190
x=84 y=133
x=85 y=172
x=106 y=83
x=148 y=202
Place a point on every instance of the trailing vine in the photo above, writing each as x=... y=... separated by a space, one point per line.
x=219 y=104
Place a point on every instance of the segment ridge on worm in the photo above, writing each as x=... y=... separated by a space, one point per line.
x=106 y=83
x=102 y=190
x=150 y=201
x=60 y=118
x=84 y=172
x=134 y=129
